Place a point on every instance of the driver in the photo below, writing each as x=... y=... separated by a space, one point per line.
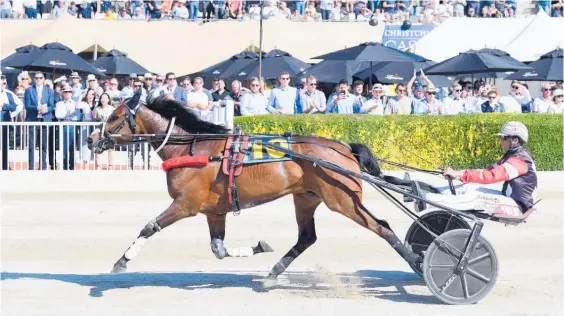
x=516 y=169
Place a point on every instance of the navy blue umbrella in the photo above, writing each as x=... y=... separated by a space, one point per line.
x=229 y=67
x=370 y=52
x=57 y=58
x=273 y=63
x=475 y=62
x=117 y=63
x=549 y=67
x=400 y=72
x=22 y=57
x=332 y=71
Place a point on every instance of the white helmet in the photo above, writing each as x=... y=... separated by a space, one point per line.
x=516 y=129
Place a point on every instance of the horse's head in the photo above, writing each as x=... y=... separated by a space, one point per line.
x=118 y=128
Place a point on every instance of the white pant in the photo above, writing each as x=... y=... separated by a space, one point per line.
x=470 y=196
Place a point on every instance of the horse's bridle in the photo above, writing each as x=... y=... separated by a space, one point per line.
x=107 y=137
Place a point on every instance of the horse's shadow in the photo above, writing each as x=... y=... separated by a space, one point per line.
x=388 y=285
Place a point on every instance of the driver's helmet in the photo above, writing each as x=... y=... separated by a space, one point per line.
x=515 y=129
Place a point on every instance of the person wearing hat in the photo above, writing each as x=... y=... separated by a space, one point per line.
x=557 y=105
x=77 y=86
x=127 y=90
x=418 y=104
x=93 y=84
x=430 y=104
x=10 y=105
x=516 y=169
x=374 y=105
x=66 y=111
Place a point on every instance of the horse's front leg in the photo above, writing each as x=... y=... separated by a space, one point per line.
x=172 y=214
x=216 y=223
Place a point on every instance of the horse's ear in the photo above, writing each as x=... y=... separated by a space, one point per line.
x=134 y=100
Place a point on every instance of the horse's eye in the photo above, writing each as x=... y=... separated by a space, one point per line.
x=112 y=118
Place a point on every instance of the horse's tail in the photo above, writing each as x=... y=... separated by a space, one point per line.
x=369 y=163
x=366 y=159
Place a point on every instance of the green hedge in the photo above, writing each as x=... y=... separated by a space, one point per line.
x=465 y=141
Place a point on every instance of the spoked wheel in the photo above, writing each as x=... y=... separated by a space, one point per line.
x=418 y=239
x=469 y=285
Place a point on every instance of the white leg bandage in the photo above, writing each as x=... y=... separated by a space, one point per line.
x=240 y=252
x=133 y=250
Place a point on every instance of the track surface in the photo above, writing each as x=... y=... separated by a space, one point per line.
x=56 y=255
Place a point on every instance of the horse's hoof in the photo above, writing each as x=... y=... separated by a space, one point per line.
x=269 y=282
x=118 y=269
x=120 y=266
x=264 y=246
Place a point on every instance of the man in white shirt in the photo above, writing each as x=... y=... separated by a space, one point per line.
x=198 y=101
x=454 y=104
x=542 y=104
x=374 y=106
x=66 y=110
x=254 y=103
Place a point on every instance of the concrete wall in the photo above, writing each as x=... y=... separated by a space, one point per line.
x=152 y=184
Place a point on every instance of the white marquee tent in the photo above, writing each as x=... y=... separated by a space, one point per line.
x=524 y=38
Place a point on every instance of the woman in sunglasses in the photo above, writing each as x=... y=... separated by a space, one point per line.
x=521 y=94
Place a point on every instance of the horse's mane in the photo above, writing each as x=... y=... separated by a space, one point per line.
x=185 y=118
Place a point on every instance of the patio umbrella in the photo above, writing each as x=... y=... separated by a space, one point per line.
x=117 y=63
x=23 y=56
x=273 y=63
x=401 y=72
x=549 y=67
x=475 y=62
x=332 y=71
x=57 y=58
x=228 y=67
x=370 y=52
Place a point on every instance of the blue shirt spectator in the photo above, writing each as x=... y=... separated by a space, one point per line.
x=284 y=99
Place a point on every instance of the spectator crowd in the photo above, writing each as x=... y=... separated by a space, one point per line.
x=386 y=11
x=37 y=99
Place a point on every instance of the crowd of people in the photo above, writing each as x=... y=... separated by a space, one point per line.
x=387 y=11
x=38 y=99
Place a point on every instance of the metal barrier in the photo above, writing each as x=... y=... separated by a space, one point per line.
x=62 y=146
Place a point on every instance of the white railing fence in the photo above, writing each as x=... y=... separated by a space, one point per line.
x=63 y=146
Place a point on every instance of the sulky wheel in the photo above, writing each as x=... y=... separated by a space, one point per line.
x=471 y=284
x=418 y=239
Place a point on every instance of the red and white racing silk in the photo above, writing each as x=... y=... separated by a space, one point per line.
x=501 y=171
x=517 y=170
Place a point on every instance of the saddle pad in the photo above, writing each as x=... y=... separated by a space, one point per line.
x=259 y=154
x=237 y=157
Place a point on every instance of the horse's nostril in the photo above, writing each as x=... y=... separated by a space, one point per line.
x=89 y=140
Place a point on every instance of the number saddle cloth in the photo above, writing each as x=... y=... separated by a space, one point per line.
x=239 y=150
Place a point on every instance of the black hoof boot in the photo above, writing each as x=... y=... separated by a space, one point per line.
x=262 y=246
x=120 y=266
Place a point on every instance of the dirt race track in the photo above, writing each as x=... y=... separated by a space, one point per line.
x=56 y=255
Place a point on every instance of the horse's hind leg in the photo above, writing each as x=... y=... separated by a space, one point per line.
x=216 y=223
x=306 y=204
x=349 y=204
x=172 y=214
